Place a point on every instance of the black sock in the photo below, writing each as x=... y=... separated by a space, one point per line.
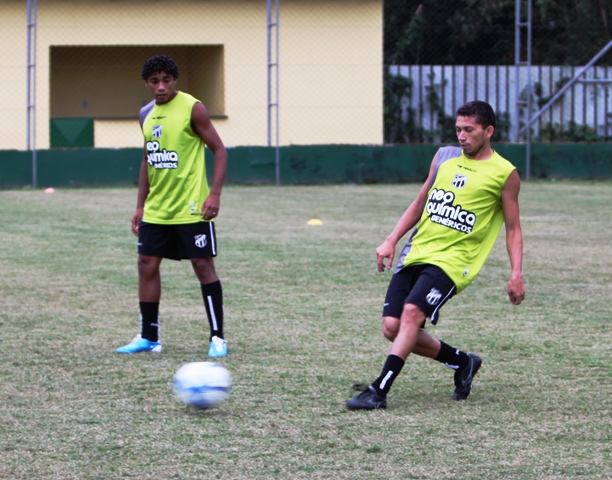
x=212 y=293
x=452 y=357
x=149 y=321
x=393 y=366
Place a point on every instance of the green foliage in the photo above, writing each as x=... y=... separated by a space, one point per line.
x=401 y=127
x=502 y=127
x=471 y=32
x=445 y=130
x=400 y=119
x=556 y=132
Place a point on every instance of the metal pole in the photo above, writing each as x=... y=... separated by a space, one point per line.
x=517 y=63
x=31 y=86
x=516 y=131
x=277 y=98
x=273 y=63
x=528 y=137
x=269 y=86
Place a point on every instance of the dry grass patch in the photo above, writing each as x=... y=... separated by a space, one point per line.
x=303 y=320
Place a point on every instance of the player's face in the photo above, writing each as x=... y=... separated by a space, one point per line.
x=162 y=86
x=472 y=136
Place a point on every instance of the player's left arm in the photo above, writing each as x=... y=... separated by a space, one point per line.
x=514 y=237
x=201 y=124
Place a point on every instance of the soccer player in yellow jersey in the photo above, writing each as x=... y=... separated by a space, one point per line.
x=457 y=215
x=175 y=207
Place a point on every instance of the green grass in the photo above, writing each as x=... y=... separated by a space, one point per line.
x=302 y=313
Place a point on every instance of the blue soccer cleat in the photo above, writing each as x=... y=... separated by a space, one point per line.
x=140 y=345
x=218 y=347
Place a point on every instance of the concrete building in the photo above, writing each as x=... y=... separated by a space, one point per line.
x=90 y=53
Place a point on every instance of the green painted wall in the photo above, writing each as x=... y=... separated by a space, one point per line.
x=79 y=167
x=71 y=132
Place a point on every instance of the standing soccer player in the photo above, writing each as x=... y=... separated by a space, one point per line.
x=469 y=193
x=175 y=207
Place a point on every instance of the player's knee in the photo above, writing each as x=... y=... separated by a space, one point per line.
x=390 y=327
x=412 y=315
x=204 y=269
x=147 y=266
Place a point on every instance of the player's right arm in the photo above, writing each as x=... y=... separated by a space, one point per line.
x=143 y=191
x=514 y=237
x=408 y=220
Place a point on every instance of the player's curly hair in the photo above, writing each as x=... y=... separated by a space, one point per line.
x=481 y=111
x=159 y=63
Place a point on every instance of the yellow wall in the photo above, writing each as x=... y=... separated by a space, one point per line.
x=330 y=64
x=14 y=57
x=105 y=82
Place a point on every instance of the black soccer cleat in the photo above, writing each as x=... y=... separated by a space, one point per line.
x=367 y=400
x=465 y=376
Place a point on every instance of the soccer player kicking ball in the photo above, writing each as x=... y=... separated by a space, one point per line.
x=469 y=193
x=175 y=208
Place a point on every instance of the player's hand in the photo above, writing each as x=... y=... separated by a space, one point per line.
x=385 y=250
x=516 y=290
x=136 y=219
x=210 y=209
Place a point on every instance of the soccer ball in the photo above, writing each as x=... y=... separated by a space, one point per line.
x=202 y=384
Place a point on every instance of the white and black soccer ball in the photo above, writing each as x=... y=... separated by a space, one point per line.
x=202 y=384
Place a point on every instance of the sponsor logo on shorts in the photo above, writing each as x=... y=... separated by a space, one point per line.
x=459 y=180
x=200 y=241
x=434 y=296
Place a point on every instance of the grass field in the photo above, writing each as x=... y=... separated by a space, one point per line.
x=302 y=313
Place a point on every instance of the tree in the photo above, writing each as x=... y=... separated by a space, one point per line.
x=481 y=32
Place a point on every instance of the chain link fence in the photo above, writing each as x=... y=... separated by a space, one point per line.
x=89 y=54
x=350 y=71
x=440 y=54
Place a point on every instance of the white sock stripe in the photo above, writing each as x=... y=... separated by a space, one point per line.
x=213 y=317
x=387 y=377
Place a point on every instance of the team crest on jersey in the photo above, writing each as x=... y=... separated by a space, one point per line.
x=434 y=296
x=200 y=241
x=157 y=131
x=459 y=181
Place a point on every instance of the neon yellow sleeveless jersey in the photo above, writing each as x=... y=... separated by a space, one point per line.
x=462 y=216
x=175 y=155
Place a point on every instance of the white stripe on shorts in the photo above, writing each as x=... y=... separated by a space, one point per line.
x=212 y=239
x=434 y=315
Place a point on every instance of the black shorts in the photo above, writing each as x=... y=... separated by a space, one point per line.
x=190 y=240
x=425 y=286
